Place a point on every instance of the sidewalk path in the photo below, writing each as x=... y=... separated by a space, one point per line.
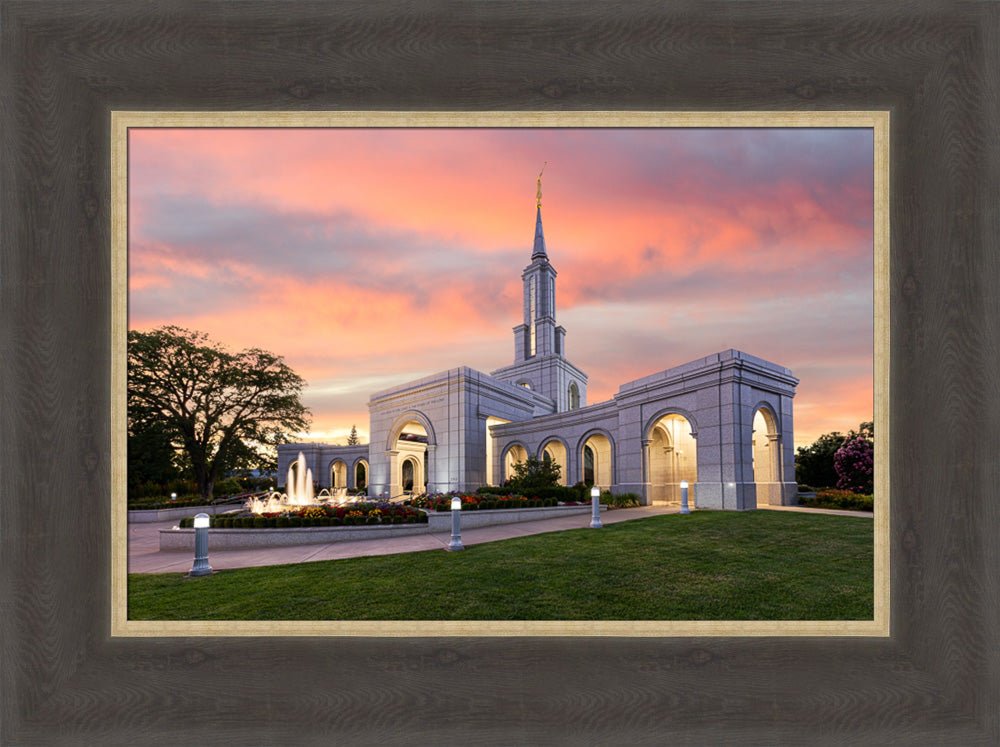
x=144 y=555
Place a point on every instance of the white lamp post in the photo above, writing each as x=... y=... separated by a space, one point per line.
x=684 y=497
x=456 y=525
x=173 y=496
x=201 y=566
x=595 y=506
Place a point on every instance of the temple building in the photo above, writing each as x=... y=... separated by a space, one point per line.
x=723 y=423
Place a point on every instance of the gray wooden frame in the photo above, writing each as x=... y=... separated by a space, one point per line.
x=65 y=65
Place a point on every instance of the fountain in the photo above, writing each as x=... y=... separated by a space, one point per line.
x=300 y=492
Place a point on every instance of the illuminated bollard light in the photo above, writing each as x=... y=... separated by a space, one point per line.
x=456 y=525
x=173 y=496
x=595 y=505
x=201 y=566
x=684 y=497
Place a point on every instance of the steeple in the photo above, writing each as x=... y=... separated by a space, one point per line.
x=540 y=362
x=538 y=251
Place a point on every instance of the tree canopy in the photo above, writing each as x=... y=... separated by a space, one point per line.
x=815 y=464
x=223 y=409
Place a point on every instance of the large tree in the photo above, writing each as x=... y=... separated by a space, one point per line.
x=214 y=404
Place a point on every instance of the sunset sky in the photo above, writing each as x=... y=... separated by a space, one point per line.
x=369 y=257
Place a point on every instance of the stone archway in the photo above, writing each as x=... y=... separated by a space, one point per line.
x=411 y=438
x=410 y=476
x=671 y=456
x=554 y=450
x=766 y=449
x=361 y=475
x=597 y=460
x=515 y=454
x=338 y=474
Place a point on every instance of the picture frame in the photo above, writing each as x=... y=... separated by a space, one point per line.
x=125 y=122
x=67 y=680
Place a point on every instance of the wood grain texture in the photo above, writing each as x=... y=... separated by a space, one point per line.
x=64 y=66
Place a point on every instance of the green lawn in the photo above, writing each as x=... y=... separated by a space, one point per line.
x=710 y=565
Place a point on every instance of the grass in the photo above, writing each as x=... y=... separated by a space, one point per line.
x=760 y=565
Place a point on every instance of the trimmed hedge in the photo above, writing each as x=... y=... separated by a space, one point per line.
x=839 y=499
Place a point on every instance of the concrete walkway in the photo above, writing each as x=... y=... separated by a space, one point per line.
x=144 y=555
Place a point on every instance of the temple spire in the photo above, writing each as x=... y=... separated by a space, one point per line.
x=538 y=250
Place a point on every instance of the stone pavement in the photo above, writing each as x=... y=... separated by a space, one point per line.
x=144 y=555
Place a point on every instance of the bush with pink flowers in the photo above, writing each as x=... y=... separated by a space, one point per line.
x=854 y=462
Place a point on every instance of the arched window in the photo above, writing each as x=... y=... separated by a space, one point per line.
x=588 y=465
x=574 y=397
x=361 y=476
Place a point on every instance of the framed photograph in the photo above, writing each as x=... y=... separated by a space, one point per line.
x=69 y=677
x=380 y=250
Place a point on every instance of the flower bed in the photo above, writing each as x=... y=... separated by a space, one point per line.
x=442 y=502
x=353 y=514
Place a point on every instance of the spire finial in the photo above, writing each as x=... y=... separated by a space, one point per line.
x=538 y=195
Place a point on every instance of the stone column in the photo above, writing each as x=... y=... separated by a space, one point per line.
x=646 y=499
x=395 y=488
x=429 y=483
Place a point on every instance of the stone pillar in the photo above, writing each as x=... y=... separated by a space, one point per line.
x=430 y=485
x=646 y=498
x=395 y=488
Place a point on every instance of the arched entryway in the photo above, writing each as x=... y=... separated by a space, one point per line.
x=338 y=474
x=671 y=457
x=361 y=475
x=596 y=460
x=554 y=450
x=515 y=454
x=410 y=475
x=766 y=448
x=409 y=448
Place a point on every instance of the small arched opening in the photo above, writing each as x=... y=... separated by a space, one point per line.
x=338 y=474
x=554 y=451
x=596 y=461
x=766 y=448
x=515 y=455
x=361 y=475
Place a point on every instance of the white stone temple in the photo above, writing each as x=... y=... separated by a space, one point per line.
x=723 y=423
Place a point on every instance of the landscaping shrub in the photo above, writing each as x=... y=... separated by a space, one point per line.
x=259 y=522
x=854 y=463
x=839 y=499
x=619 y=500
x=533 y=474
